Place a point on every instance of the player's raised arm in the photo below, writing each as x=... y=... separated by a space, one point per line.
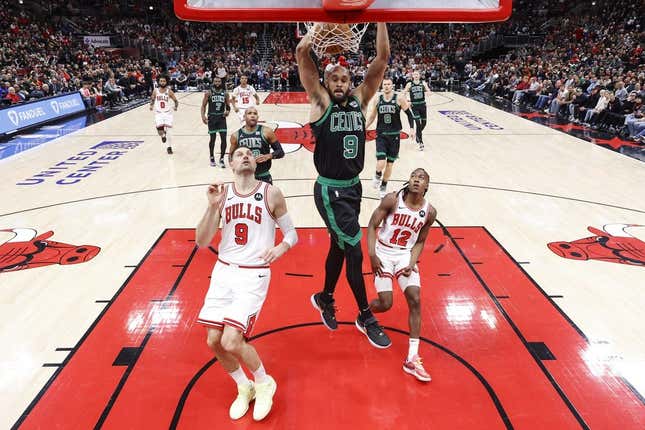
x=209 y=223
x=309 y=74
x=376 y=69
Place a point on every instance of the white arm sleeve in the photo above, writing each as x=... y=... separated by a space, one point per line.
x=288 y=230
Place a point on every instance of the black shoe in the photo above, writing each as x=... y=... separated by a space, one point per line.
x=374 y=332
x=327 y=311
x=163 y=138
x=221 y=163
x=169 y=150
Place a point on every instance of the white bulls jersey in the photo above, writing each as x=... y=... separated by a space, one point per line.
x=162 y=101
x=244 y=96
x=401 y=228
x=248 y=227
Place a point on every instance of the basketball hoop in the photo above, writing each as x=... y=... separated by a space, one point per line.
x=330 y=38
x=334 y=38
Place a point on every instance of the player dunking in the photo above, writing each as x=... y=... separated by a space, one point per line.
x=388 y=107
x=160 y=102
x=338 y=123
x=406 y=218
x=244 y=96
x=260 y=140
x=418 y=90
x=217 y=101
x=249 y=211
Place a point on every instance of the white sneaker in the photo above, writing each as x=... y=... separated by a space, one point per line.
x=421 y=147
x=245 y=394
x=376 y=183
x=382 y=193
x=264 y=398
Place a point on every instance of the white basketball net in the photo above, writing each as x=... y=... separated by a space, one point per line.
x=336 y=35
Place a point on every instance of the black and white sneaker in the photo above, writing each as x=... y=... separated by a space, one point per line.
x=213 y=162
x=163 y=138
x=221 y=163
x=374 y=332
x=327 y=311
x=169 y=150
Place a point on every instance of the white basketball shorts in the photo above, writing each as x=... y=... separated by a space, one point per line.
x=394 y=261
x=235 y=297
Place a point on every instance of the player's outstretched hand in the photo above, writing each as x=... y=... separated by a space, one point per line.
x=272 y=254
x=216 y=193
x=377 y=266
x=408 y=270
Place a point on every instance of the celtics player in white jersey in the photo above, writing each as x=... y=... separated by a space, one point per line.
x=406 y=218
x=160 y=103
x=418 y=90
x=244 y=97
x=249 y=211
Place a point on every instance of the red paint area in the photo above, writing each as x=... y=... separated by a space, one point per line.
x=476 y=352
x=287 y=98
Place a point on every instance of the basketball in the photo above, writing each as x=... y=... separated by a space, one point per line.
x=334 y=37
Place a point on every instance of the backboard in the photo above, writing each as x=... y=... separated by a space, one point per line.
x=313 y=10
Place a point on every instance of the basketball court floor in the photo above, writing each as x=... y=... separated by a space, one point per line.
x=532 y=283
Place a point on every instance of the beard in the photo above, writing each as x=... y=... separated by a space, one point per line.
x=163 y=85
x=338 y=99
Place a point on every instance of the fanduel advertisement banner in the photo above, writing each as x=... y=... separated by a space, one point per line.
x=24 y=115
x=97 y=41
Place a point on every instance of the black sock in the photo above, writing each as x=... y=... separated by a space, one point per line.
x=222 y=144
x=211 y=145
x=353 y=269
x=378 y=174
x=333 y=266
x=383 y=184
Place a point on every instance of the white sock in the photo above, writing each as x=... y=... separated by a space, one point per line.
x=239 y=376
x=259 y=374
x=413 y=348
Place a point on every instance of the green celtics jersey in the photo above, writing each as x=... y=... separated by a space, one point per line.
x=389 y=115
x=340 y=140
x=417 y=93
x=255 y=141
x=217 y=102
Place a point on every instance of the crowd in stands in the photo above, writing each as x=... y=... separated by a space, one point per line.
x=589 y=68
